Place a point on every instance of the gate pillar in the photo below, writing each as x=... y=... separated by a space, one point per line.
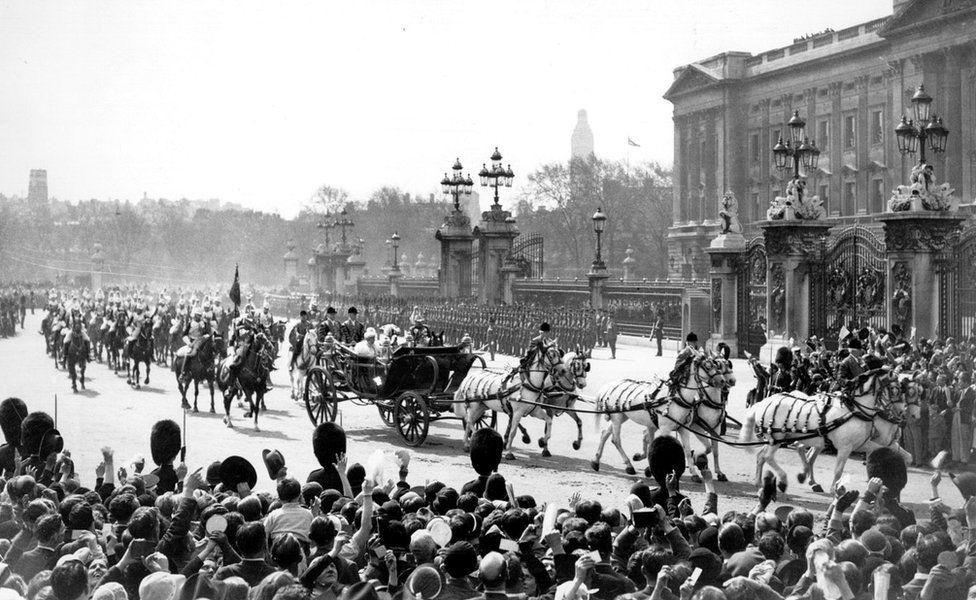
x=454 y=275
x=918 y=245
x=792 y=251
x=495 y=234
x=725 y=252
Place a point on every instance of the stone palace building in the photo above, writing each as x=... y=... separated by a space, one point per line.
x=852 y=87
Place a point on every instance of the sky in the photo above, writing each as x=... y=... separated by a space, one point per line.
x=260 y=103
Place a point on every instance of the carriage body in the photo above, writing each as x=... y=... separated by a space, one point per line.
x=413 y=388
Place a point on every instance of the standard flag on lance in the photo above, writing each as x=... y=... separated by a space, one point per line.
x=235 y=288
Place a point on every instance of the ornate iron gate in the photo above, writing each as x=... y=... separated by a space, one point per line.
x=849 y=290
x=961 y=277
x=751 y=303
x=528 y=252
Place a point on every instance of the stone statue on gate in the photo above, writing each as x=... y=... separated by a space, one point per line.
x=796 y=204
x=728 y=214
x=922 y=193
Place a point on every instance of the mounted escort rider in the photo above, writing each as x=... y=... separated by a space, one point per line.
x=197 y=331
x=243 y=332
x=76 y=331
x=689 y=353
x=265 y=319
x=296 y=338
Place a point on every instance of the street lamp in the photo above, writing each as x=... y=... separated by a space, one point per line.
x=498 y=175
x=599 y=224
x=457 y=184
x=912 y=133
x=344 y=223
x=798 y=149
x=326 y=224
x=396 y=244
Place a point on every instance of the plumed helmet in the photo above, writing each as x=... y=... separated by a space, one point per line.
x=328 y=441
x=784 y=357
x=39 y=437
x=666 y=456
x=889 y=466
x=486 y=451
x=165 y=441
x=12 y=413
x=966 y=482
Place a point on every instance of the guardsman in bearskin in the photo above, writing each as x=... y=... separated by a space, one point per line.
x=194 y=335
x=296 y=337
x=351 y=329
x=684 y=358
x=666 y=464
x=328 y=444
x=889 y=466
x=165 y=442
x=486 y=454
x=39 y=441
x=12 y=413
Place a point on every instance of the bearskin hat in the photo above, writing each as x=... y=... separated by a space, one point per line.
x=889 y=466
x=486 y=451
x=165 y=442
x=12 y=413
x=966 y=482
x=38 y=435
x=784 y=357
x=328 y=442
x=666 y=456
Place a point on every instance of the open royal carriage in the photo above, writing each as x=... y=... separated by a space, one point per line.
x=412 y=388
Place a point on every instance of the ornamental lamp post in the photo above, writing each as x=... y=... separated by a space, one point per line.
x=599 y=225
x=912 y=133
x=798 y=149
x=395 y=239
x=344 y=223
x=498 y=175
x=457 y=184
x=326 y=224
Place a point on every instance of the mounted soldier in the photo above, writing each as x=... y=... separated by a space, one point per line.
x=76 y=331
x=265 y=319
x=296 y=338
x=684 y=358
x=194 y=335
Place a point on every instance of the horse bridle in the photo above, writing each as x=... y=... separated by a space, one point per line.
x=549 y=368
x=879 y=387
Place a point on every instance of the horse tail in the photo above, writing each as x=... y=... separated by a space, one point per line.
x=748 y=432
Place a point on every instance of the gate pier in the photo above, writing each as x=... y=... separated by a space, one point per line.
x=726 y=253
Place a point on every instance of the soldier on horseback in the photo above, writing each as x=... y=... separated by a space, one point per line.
x=684 y=358
x=76 y=331
x=195 y=335
x=297 y=337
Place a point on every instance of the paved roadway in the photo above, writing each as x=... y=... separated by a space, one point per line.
x=111 y=413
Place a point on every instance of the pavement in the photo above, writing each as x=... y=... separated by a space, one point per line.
x=111 y=413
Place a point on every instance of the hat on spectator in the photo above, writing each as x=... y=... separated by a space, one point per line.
x=213 y=473
x=39 y=437
x=235 y=470
x=966 y=483
x=691 y=337
x=274 y=461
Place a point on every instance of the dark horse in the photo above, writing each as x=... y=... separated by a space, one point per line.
x=95 y=335
x=161 y=333
x=76 y=353
x=251 y=379
x=139 y=350
x=201 y=369
x=113 y=340
x=53 y=339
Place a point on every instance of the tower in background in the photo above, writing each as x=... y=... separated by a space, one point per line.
x=582 y=143
x=37 y=189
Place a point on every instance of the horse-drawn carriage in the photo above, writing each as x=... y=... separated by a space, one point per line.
x=411 y=389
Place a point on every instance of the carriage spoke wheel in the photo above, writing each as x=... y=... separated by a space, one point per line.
x=412 y=418
x=386 y=412
x=487 y=420
x=321 y=401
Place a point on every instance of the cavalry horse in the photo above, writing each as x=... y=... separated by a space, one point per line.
x=162 y=336
x=76 y=353
x=114 y=339
x=251 y=379
x=544 y=377
x=849 y=423
x=201 y=369
x=95 y=335
x=303 y=362
x=641 y=402
x=139 y=350
x=175 y=340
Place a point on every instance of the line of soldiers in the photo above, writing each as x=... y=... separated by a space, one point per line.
x=14 y=301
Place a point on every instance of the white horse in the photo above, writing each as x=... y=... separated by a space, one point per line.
x=304 y=362
x=850 y=424
x=642 y=402
x=544 y=378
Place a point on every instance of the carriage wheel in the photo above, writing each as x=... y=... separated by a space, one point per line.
x=412 y=418
x=321 y=401
x=386 y=412
x=489 y=421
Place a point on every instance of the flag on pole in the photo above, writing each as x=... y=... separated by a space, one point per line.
x=844 y=332
x=631 y=142
x=235 y=288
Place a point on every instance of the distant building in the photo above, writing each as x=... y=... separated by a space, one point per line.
x=851 y=87
x=37 y=188
x=582 y=142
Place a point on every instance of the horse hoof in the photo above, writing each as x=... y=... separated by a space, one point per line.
x=696 y=479
x=721 y=477
x=816 y=488
x=542 y=443
x=801 y=477
x=75 y=390
x=509 y=456
x=526 y=439
x=212 y=411
x=576 y=445
x=546 y=453
x=256 y=428
x=638 y=457
x=195 y=409
x=630 y=471
x=781 y=485
x=594 y=465
x=146 y=382
x=247 y=415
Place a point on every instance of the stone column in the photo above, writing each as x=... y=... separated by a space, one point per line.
x=454 y=275
x=394 y=278
x=917 y=243
x=509 y=273
x=791 y=246
x=97 y=267
x=598 y=281
x=629 y=263
x=725 y=252
x=495 y=233
x=291 y=263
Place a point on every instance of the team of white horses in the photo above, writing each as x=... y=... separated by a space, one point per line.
x=548 y=382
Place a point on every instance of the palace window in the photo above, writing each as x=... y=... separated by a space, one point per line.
x=877 y=127
x=850 y=132
x=757 y=209
x=877 y=195
x=823 y=135
x=754 y=151
x=850 y=198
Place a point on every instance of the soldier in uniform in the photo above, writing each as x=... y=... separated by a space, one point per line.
x=265 y=319
x=194 y=334
x=297 y=337
x=76 y=330
x=351 y=329
x=780 y=376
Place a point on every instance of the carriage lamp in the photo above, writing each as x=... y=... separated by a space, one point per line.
x=599 y=224
x=395 y=239
x=457 y=184
x=497 y=176
x=802 y=150
x=913 y=133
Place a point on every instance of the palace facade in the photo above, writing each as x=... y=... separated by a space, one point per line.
x=852 y=87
